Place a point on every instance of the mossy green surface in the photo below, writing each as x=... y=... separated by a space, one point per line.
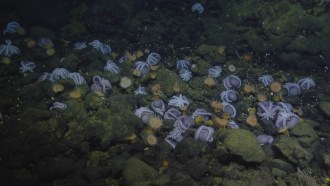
x=167 y=79
x=138 y=173
x=325 y=107
x=293 y=151
x=74 y=28
x=93 y=101
x=244 y=144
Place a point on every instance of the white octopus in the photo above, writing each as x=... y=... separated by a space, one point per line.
x=180 y=101
x=111 y=67
x=8 y=49
x=27 y=66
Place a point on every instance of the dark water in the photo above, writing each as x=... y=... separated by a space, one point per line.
x=110 y=92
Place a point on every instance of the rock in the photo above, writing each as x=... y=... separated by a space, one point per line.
x=278 y=172
x=268 y=126
x=187 y=149
x=187 y=181
x=282 y=165
x=41 y=32
x=70 y=61
x=168 y=80
x=74 y=28
x=196 y=168
x=312 y=123
x=59 y=168
x=33 y=115
x=325 y=107
x=31 y=99
x=138 y=173
x=243 y=143
x=228 y=182
x=211 y=54
x=75 y=108
x=117 y=165
x=94 y=175
x=292 y=150
x=163 y=180
x=95 y=158
x=93 y=101
x=305 y=133
x=326 y=158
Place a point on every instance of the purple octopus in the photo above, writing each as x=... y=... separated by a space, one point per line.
x=266 y=79
x=60 y=73
x=267 y=110
x=201 y=112
x=204 y=133
x=263 y=139
x=229 y=109
x=228 y=96
x=144 y=113
x=286 y=120
x=58 y=105
x=287 y=107
x=293 y=89
x=158 y=106
x=306 y=83
x=77 y=78
x=183 y=123
x=142 y=67
x=172 y=114
x=153 y=58
x=231 y=82
x=174 y=137
x=100 y=84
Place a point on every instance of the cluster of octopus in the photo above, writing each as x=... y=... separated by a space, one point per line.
x=177 y=108
x=281 y=113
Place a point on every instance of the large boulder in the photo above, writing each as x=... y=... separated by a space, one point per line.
x=138 y=173
x=244 y=144
x=292 y=150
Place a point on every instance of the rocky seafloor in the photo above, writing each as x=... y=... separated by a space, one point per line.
x=99 y=140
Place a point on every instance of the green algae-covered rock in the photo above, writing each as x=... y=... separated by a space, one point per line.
x=55 y=168
x=326 y=158
x=199 y=91
x=325 y=107
x=305 y=132
x=119 y=126
x=119 y=120
x=70 y=62
x=33 y=114
x=255 y=41
x=309 y=44
x=122 y=103
x=95 y=158
x=42 y=32
x=200 y=66
x=286 y=23
x=227 y=181
x=73 y=29
x=292 y=150
x=115 y=122
x=244 y=144
x=282 y=165
x=93 y=101
x=211 y=54
x=168 y=79
x=74 y=108
x=138 y=173
x=68 y=84
x=83 y=130
x=26 y=93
